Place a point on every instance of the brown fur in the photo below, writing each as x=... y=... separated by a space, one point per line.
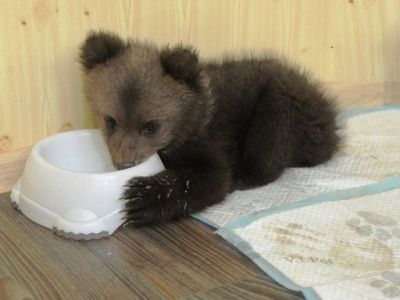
x=218 y=126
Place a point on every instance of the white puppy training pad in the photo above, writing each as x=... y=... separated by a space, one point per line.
x=334 y=246
x=70 y=185
x=343 y=241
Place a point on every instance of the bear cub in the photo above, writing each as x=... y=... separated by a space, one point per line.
x=217 y=126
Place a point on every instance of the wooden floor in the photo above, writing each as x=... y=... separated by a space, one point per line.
x=179 y=260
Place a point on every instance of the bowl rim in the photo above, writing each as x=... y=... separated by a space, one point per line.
x=35 y=153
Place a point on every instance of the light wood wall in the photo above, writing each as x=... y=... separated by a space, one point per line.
x=346 y=41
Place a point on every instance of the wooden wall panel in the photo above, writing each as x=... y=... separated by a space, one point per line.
x=40 y=89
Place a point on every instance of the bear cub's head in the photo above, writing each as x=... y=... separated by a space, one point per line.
x=145 y=98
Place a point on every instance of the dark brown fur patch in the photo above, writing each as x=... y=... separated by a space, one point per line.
x=99 y=47
x=182 y=64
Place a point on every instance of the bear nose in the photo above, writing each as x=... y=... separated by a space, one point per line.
x=125 y=165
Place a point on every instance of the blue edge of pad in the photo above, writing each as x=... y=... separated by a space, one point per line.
x=228 y=234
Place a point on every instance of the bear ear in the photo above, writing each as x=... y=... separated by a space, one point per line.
x=181 y=63
x=99 y=47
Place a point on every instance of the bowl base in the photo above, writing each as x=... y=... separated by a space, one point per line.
x=80 y=236
x=77 y=223
x=71 y=235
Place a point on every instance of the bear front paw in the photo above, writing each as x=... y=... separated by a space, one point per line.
x=156 y=198
x=143 y=196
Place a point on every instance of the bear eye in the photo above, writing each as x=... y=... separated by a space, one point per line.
x=149 y=128
x=110 y=123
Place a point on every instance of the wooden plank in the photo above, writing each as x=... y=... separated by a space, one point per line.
x=168 y=261
x=11 y=166
x=255 y=288
x=10 y=289
x=365 y=94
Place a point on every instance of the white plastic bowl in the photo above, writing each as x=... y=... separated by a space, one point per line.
x=70 y=185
